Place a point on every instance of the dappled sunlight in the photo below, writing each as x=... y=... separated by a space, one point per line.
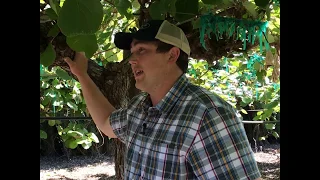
x=78 y=168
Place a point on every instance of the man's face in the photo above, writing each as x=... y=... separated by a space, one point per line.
x=148 y=66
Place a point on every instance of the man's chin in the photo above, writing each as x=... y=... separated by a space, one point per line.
x=141 y=86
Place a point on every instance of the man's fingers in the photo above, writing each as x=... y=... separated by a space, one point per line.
x=68 y=61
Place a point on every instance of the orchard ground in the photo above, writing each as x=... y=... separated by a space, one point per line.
x=102 y=167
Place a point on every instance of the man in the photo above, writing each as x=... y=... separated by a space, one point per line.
x=173 y=129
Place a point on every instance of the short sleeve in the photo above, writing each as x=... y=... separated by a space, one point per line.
x=221 y=149
x=119 y=122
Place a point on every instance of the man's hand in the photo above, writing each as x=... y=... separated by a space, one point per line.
x=79 y=66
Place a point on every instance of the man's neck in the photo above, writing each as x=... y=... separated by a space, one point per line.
x=161 y=90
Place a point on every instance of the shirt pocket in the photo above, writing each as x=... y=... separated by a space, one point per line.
x=156 y=161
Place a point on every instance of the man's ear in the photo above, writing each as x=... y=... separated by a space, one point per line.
x=174 y=53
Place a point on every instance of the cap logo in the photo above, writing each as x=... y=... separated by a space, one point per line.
x=145 y=26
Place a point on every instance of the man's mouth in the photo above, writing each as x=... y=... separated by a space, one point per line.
x=138 y=72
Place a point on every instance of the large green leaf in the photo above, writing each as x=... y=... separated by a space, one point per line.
x=170 y=5
x=124 y=7
x=186 y=9
x=157 y=10
x=80 y=17
x=103 y=37
x=63 y=74
x=54 y=31
x=212 y=2
x=85 y=43
x=250 y=8
x=272 y=104
x=55 y=6
x=48 y=56
x=262 y=3
x=52 y=15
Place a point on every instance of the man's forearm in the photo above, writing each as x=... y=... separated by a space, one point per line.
x=98 y=105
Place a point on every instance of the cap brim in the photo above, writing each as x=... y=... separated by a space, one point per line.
x=123 y=40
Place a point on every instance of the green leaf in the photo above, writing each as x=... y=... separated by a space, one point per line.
x=48 y=56
x=43 y=134
x=250 y=8
x=186 y=9
x=44 y=85
x=157 y=10
x=86 y=145
x=275 y=134
x=270 y=126
x=72 y=105
x=262 y=138
x=52 y=15
x=83 y=130
x=272 y=105
x=212 y=2
x=80 y=17
x=82 y=140
x=267 y=113
x=124 y=7
x=257 y=117
x=51 y=122
x=261 y=3
x=63 y=74
x=54 y=31
x=261 y=74
x=135 y=4
x=257 y=66
x=103 y=37
x=244 y=111
x=196 y=23
x=84 y=43
x=270 y=38
x=246 y=100
x=93 y=137
x=59 y=129
x=71 y=143
x=46 y=100
x=170 y=6
x=55 y=6
x=75 y=134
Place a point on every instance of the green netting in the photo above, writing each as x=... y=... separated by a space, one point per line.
x=244 y=29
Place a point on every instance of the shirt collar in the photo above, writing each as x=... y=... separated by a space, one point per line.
x=170 y=99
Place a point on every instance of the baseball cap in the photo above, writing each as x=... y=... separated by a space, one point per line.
x=153 y=30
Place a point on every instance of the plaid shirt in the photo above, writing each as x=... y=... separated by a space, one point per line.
x=190 y=134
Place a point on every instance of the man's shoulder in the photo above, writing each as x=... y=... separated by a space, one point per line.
x=195 y=93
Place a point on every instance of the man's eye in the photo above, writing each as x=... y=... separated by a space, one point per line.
x=141 y=50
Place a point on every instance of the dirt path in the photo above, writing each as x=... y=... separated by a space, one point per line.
x=102 y=167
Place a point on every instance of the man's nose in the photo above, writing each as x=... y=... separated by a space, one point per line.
x=132 y=59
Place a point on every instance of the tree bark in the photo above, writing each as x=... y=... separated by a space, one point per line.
x=115 y=81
